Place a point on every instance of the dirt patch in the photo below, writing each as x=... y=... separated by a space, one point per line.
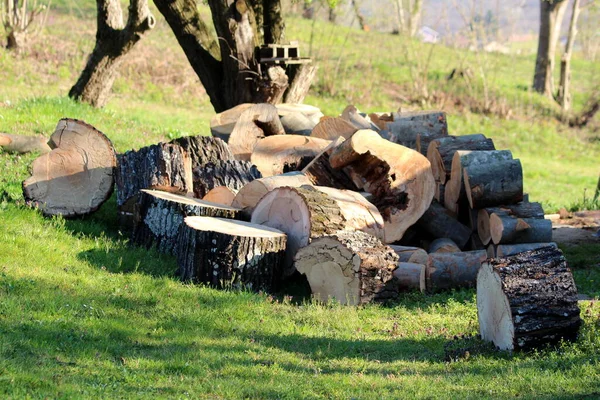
x=577 y=228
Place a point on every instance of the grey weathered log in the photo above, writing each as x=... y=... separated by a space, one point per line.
x=453 y=270
x=507 y=229
x=441 y=223
x=410 y=254
x=528 y=300
x=227 y=253
x=406 y=126
x=443 y=245
x=506 y=250
x=159 y=215
x=301 y=77
x=410 y=276
x=204 y=149
x=231 y=173
x=494 y=184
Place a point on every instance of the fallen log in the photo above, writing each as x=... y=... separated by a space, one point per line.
x=227 y=253
x=399 y=178
x=507 y=229
x=220 y=195
x=254 y=124
x=332 y=128
x=453 y=270
x=506 y=250
x=494 y=184
x=441 y=223
x=320 y=172
x=24 y=144
x=202 y=150
x=410 y=254
x=222 y=124
x=297 y=124
x=351 y=267
x=313 y=113
x=528 y=300
x=410 y=276
x=407 y=126
x=159 y=215
x=77 y=176
x=307 y=213
x=276 y=155
x=443 y=245
x=520 y=210
x=252 y=192
x=232 y=173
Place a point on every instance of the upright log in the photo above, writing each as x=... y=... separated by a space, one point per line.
x=227 y=253
x=351 y=267
x=399 y=178
x=77 y=176
x=453 y=270
x=251 y=193
x=527 y=300
x=441 y=223
x=494 y=184
x=232 y=173
x=507 y=229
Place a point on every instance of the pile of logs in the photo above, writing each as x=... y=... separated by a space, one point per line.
x=364 y=206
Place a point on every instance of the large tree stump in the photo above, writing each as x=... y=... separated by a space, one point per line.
x=232 y=173
x=307 y=213
x=252 y=192
x=77 y=176
x=447 y=271
x=159 y=215
x=494 y=184
x=227 y=253
x=333 y=127
x=351 y=267
x=276 y=155
x=527 y=300
x=204 y=149
x=399 y=178
x=441 y=223
x=507 y=229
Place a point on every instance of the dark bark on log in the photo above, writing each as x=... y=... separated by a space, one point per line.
x=351 y=267
x=226 y=253
x=521 y=210
x=441 y=223
x=159 y=215
x=528 y=300
x=233 y=174
x=443 y=245
x=494 y=184
x=204 y=149
x=506 y=250
x=453 y=270
x=507 y=229
x=410 y=276
x=406 y=126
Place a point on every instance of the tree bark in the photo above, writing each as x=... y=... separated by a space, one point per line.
x=551 y=16
x=407 y=126
x=114 y=40
x=447 y=271
x=507 y=229
x=494 y=184
x=232 y=174
x=204 y=149
x=441 y=223
x=564 y=95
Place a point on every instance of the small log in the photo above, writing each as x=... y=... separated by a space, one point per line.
x=494 y=184
x=255 y=123
x=507 y=229
x=399 y=178
x=313 y=113
x=407 y=126
x=441 y=152
x=220 y=195
x=232 y=173
x=351 y=267
x=506 y=250
x=307 y=213
x=520 y=210
x=300 y=80
x=77 y=176
x=410 y=276
x=332 y=128
x=204 y=149
x=297 y=124
x=320 y=172
x=410 y=254
x=276 y=155
x=455 y=190
x=352 y=115
x=227 y=253
x=453 y=270
x=159 y=215
x=441 y=223
x=24 y=144
x=222 y=124
x=443 y=245
x=251 y=193
x=528 y=300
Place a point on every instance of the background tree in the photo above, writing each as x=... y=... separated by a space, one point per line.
x=114 y=39
x=551 y=16
x=564 y=95
x=408 y=16
x=17 y=18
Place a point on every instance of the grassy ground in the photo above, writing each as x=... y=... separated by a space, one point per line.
x=83 y=314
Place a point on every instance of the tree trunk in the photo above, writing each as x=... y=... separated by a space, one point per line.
x=551 y=16
x=226 y=253
x=114 y=40
x=232 y=174
x=300 y=78
x=359 y=16
x=414 y=16
x=77 y=176
x=528 y=300
x=351 y=267
x=564 y=95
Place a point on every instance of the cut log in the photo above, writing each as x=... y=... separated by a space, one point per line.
x=406 y=126
x=297 y=124
x=233 y=174
x=307 y=213
x=332 y=128
x=520 y=210
x=399 y=178
x=351 y=267
x=455 y=189
x=441 y=223
x=248 y=196
x=204 y=149
x=440 y=193
x=381 y=119
x=423 y=142
x=443 y=245
x=494 y=184
x=301 y=77
x=77 y=176
x=453 y=270
x=276 y=155
x=352 y=115
x=441 y=152
x=227 y=253
x=222 y=124
x=506 y=250
x=311 y=112
x=409 y=254
x=528 y=300
x=255 y=123
x=221 y=195
x=491 y=250
x=24 y=144
x=410 y=276
x=507 y=229
x=159 y=215
x=320 y=172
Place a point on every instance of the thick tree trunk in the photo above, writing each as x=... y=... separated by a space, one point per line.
x=114 y=40
x=350 y=267
x=232 y=174
x=551 y=16
x=564 y=95
x=527 y=300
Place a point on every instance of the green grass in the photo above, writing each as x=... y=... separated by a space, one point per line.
x=83 y=314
